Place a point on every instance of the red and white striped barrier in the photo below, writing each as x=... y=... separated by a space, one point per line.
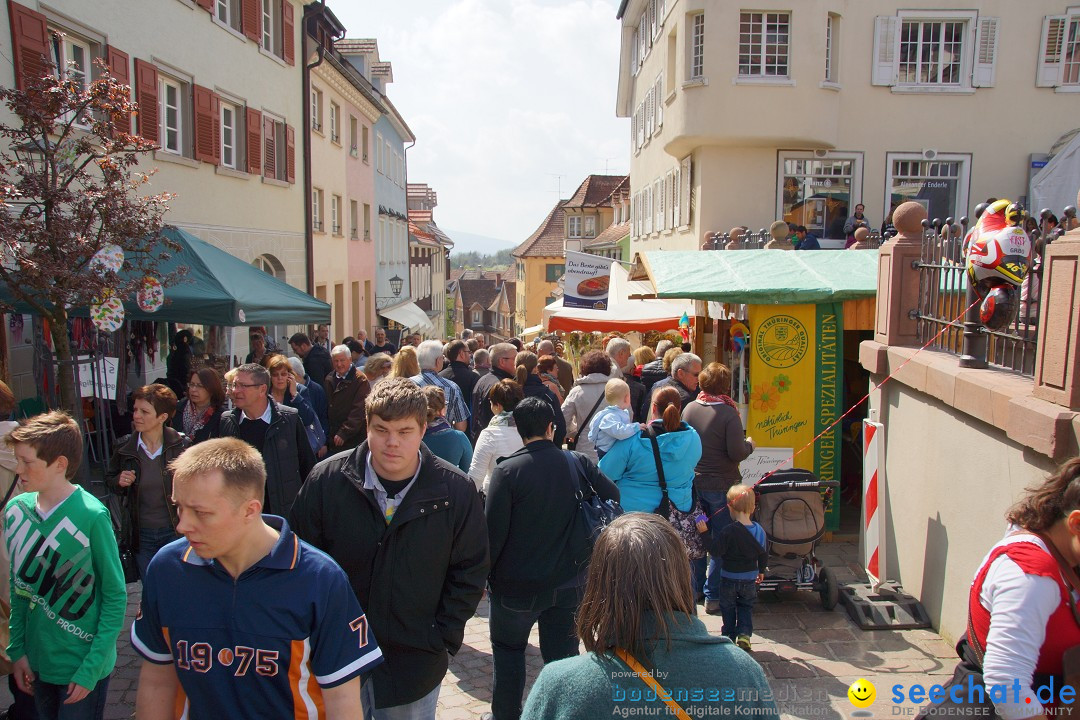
x=873 y=535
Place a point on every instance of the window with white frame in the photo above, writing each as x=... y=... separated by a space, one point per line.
x=335 y=121
x=354 y=136
x=939 y=185
x=648 y=192
x=354 y=219
x=932 y=51
x=73 y=59
x=696 y=65
x=685 y=189
x=316 y=209
x=476 y=316
x=818 y=193
x=269 y=23
x=1059 y=52
x=316 y=109
x=367 y=221
x=228 y=13
x=378 y=152
x=573 y=226
x=364 y=143
x=229 y=135
x=763 y=44
x=335 y=214
x=658 y=191
x=588 y=227
x=658 y=99
x=171 y=100
x=832 y=43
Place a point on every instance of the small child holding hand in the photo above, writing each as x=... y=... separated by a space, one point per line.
x=613 y=423
x=742 y=550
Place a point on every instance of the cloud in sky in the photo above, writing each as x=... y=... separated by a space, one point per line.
x=503 y=96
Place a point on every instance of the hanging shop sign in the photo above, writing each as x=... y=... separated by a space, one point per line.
x=586 y=281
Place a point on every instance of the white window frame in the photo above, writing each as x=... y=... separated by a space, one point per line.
x=364 y=140
x=573 y=226
x=658 y=99
x=856 y=158
x=888 y=30
x=316 y=109
x=1054 y=69
x=378 y=152
x=354 y=136
x=63 y=44
x=335 y=114
x=759 y=54
x=233 y=130
x=227 y=13
x=832 y=51
x=354 y=219
x=316 y=210
x=922 y=24
x=695 y=66
x=588 y=226
x=658 y=192
x=267 y=25
x=335 y=214
x=963 y=185
x=165 y=83
x=686 y=189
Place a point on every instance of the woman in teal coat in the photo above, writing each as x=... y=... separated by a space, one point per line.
x=644 y=643
x=631 y=463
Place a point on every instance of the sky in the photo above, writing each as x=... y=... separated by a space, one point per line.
x=512 y=101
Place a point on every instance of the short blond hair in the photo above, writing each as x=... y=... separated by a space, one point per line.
x=51 y=435
x=241 y=466
x=615 y=390
x=669 y=357
x=740 y=498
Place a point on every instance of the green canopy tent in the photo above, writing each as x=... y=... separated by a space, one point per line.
x=760 y=277
x=217 y=289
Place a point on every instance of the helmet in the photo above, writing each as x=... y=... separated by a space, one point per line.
x=998 y=305
x=1014 y=214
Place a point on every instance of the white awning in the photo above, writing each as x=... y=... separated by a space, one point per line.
x=410 y=315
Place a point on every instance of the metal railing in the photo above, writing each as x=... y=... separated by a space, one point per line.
x=944 y=295
x=757 y=239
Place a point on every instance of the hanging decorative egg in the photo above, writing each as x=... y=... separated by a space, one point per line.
x=151 y=295
x=109 y=315
x=108 y=258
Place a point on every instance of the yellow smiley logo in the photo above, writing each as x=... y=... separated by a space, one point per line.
x=862 y=693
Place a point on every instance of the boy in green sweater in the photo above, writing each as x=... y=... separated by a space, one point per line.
x=67 y=586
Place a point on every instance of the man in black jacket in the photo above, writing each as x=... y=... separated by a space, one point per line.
x=316 y=358
x=458 y=370
x=409 y=531
x=274 y=430
x=502 y=368
x=539 y=550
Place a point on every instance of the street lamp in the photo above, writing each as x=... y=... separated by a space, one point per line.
x=395 y=285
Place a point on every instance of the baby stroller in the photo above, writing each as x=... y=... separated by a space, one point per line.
x=791 y=511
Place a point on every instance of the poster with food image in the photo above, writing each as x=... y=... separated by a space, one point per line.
x=586 y=280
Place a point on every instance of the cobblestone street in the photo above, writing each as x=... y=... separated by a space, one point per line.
x=810 y=656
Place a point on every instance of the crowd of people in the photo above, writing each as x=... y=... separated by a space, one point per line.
x=338 y=516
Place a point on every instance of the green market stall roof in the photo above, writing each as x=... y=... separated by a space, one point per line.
x=760 y=277
x=217 y=289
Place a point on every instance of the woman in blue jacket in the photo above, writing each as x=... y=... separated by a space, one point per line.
x=631 y=464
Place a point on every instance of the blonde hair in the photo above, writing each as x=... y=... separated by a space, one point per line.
x=241 y=466
x=615 y=390
x=405 y=364
x=644 y=354
x=669 y=357
x=740 y=498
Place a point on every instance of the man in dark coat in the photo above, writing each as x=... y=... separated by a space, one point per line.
x=502 y=368
x=539 y=551
x=684 y=378
x=316 y=358
x=346 y=389
x=458 y=370
x=274 y=430
x=409 y=531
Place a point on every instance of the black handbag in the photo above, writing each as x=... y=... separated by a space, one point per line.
x=583 y=426
x=120 y=513
x=685 y=523
x=595 y=513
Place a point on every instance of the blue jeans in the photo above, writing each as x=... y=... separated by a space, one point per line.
x=150 y=541
x=49 y=700
x=422 y=709
x=737 y=600
x=711 y=502
x=510 y=621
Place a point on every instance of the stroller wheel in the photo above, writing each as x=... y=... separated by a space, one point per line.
x=828 y=588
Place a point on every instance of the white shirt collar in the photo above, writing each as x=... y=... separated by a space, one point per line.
x=152 y=455
x=265 y=417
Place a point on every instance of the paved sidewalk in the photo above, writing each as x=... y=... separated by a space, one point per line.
x=810 y=656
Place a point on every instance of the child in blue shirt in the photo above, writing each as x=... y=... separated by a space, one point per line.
x=741 y=547
x=613 y=423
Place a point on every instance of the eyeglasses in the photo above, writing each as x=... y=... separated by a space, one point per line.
x=232 y=385
x=195 y=386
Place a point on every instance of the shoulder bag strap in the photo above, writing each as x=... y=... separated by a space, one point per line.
x=649 y=680
x=656 y=458
x=576 y=471
x=584 y=426
x=1067 y=572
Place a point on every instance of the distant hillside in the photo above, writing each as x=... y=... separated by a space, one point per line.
x=481 y=244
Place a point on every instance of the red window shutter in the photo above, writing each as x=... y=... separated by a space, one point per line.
x=287 y=31
x=215 y=108
x=30 y=37
x=250 y=17
x=290 y=154
x=206 y=113
x=254 y=141
x=117 y=63
x=269 y=153
x=146 y=95
x=207 y=5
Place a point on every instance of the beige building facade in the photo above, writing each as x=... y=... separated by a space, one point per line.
x=744 y=114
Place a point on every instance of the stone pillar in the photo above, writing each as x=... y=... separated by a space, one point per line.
x=898 y=281
x=1057 y=355
x=779 y=231
x=862 y=240
x=736 y=242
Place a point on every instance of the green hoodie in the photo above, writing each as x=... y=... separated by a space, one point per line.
x=67 y=588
